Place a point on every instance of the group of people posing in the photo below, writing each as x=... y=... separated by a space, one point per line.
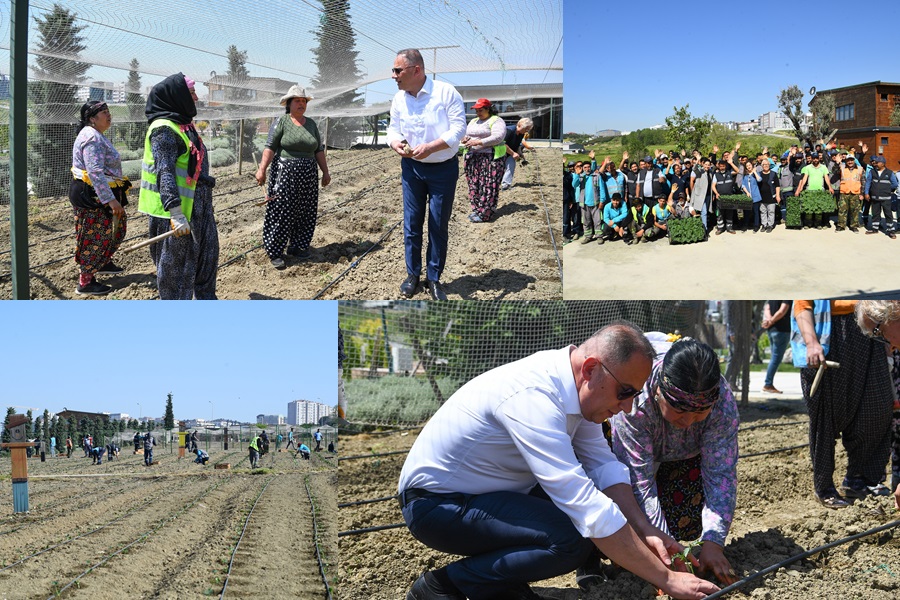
x=636 y=201
x=176 y=187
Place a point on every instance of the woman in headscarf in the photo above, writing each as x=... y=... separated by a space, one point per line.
x=176 y=191
x=293 y=192
x=98 y=197
x=680 y=444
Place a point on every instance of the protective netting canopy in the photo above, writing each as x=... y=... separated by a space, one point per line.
x=404 y=359
x=280 y=41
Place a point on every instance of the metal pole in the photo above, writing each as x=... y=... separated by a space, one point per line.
x=241 y=149
x=551 y=123
x=18 y=147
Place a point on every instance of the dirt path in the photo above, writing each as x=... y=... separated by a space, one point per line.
x=785 y=263
x=776 y=517
x=510 y=258
x=181 y=518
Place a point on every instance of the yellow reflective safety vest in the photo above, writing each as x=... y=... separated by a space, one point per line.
x=500 y=149
x=149 y=200
x=254 y=443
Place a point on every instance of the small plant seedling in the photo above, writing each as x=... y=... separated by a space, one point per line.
x=684 y=554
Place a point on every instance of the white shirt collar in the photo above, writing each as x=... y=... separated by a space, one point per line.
x=567 y=381
x=427 y=87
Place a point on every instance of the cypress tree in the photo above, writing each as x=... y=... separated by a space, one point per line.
x=336 y=58
x=54 y=104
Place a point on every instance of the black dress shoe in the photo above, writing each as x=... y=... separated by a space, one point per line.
x=436 y=290
x=408 y=288
x=427 y=587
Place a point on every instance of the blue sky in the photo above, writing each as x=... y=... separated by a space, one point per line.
x=246 y=357
x=620 y=60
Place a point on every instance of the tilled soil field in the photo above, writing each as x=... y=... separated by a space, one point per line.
x=777 y=517
x=121 y=529
x=513 y=257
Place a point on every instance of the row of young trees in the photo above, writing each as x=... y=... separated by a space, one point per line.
x=101 y=428
x=54 y=103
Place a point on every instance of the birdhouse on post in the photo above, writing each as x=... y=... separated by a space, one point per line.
x=18 y=442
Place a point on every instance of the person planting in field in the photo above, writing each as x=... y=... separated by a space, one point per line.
x=112 y=451
x=539 y=488
x=68 y=447
x=303 y=451
x=137 y=441
x=679 y=442
x=194 y=441
x=263 y=443
x=852 y=402
x=880 y=320
x=254 y=451
x=176 y=193
x=149 y=442
x=318 y=437
x=97 y=455
x=290 y=439
x=202 y=456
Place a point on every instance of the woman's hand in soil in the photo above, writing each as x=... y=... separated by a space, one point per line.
x=713 y=559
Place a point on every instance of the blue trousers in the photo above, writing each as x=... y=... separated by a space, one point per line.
x=431 y=186
x=779 y=342
x=508 y=538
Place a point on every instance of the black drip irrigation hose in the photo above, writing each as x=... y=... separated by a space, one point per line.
x=372 y=501
x=356 y=262
x=788 y=448
x=316 y=540
x=340 y=458
x=801 y=556
x=241 y=538
x=549 y=221
x=130 y=544
x=370 y=529
x=77 y=537
x=752 y=427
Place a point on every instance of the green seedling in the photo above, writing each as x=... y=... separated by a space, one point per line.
x=683 y=556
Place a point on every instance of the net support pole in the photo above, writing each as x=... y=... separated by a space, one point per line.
x=326 y=133
x=18 y=148
x=241 y=149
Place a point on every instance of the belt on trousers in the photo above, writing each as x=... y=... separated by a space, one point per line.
x=410 y=494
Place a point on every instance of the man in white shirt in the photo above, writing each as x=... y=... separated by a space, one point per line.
x=513 y=472
x=428 y=119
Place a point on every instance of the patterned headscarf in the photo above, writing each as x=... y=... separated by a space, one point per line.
x=688 y=401
x=683 y=400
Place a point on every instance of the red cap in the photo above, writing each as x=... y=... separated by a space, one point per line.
x=482 y=103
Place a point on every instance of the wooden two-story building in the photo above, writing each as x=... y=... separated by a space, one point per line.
x=863 y=114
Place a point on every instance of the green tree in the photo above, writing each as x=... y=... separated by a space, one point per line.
x=59 y=44
x=686 y=131
x=10 y=411
x=810 y=131
x=45 y=425
x=29 y=425
x=895 y=117
x=239 y=93
x=136 y=128
x=169 y=419
x=336 y=58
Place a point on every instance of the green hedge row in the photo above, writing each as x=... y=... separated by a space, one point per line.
x=686 y=231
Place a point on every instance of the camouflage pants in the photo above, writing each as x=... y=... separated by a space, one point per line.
x=853 y=202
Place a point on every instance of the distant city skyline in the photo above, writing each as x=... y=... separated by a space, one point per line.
x=617 y=79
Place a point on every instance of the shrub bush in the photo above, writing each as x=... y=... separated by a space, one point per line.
x=221 y=157
x=817 y=201
x=792 y=219
x=686 y=231
x=394 y=399
x=131 y=154
x=132 y=170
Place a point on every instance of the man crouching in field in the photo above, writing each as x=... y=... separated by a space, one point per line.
x=513 y=472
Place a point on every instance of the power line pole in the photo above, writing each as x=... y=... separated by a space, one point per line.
x=434 y=57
